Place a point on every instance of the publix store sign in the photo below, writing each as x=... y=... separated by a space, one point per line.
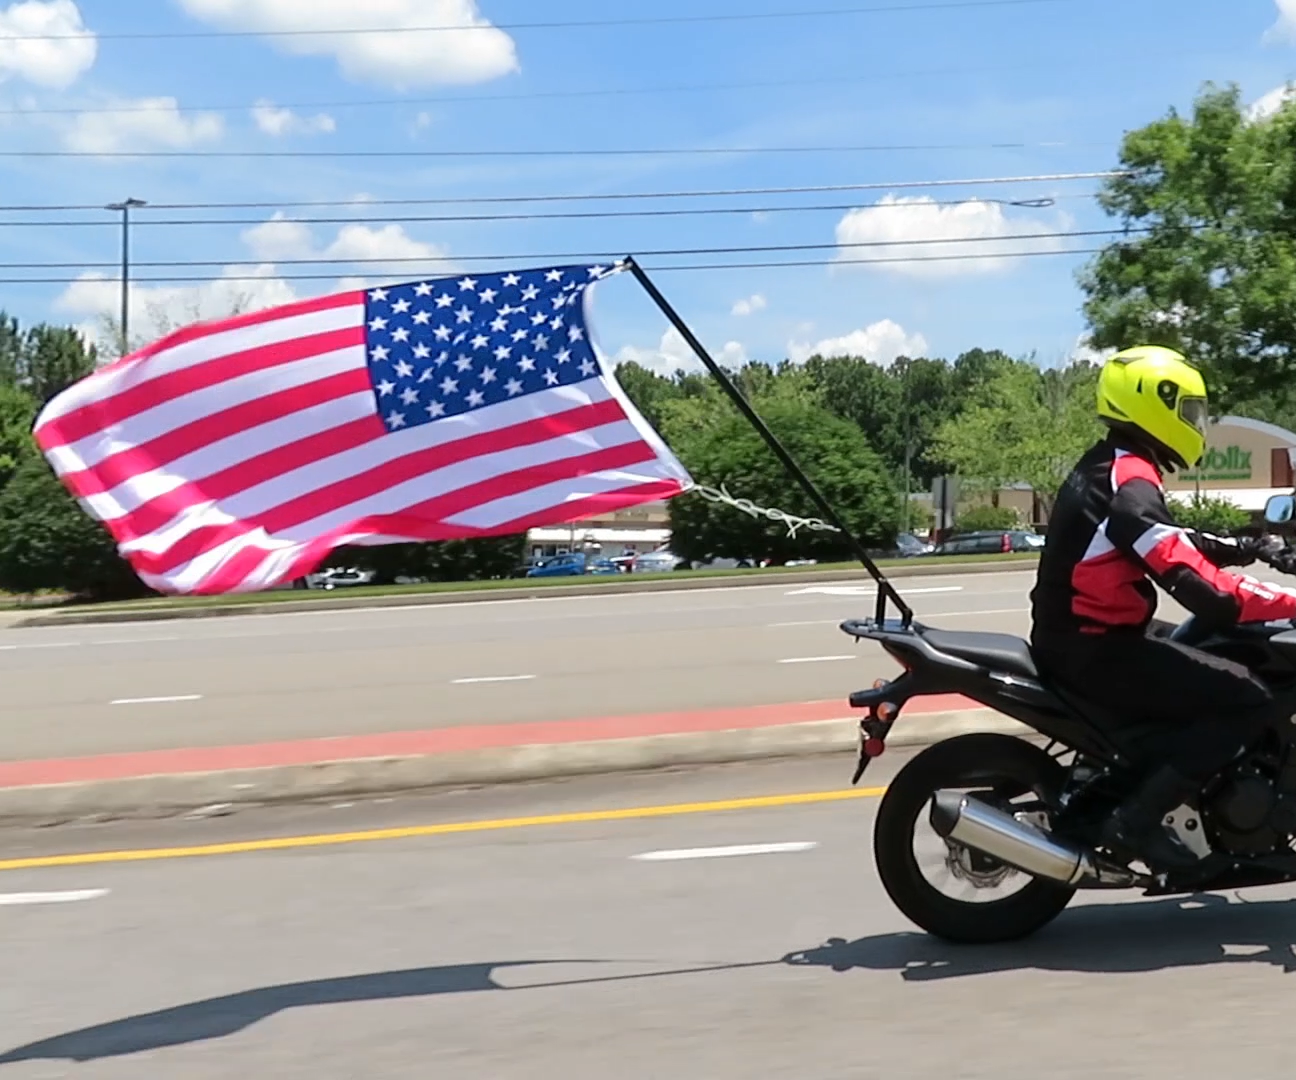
x=1223 y=463
x=1244 y=457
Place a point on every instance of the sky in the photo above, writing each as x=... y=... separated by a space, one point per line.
x=885 y=96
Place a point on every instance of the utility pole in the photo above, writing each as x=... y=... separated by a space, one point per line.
x=907 y=405
x=124 y=208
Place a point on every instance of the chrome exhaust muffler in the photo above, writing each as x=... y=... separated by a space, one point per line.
x=967 y=820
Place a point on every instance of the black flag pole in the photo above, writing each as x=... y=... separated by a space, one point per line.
x=886 y=591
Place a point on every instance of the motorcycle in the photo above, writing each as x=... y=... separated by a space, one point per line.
x=1008 y=811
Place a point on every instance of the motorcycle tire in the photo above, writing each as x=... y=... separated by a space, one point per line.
x=978 y=760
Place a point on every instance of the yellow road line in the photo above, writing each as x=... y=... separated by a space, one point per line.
x=285 y=843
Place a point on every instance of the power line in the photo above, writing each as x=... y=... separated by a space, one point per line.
x=568 y=24
x=236 y=279
x=657 y=151
x=714 y=193
x=541 y=95
x=872 y=262
x=606 y=253
x=565 y=215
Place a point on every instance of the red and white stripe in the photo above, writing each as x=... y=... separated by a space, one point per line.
x=233 y=456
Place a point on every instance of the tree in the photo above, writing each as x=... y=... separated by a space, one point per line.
x=727 y=451
x=1208 y=262
x=652 y=393
x=53 y=358
x=1211 y=515
x=44 y=360
x=11 y=345
x=648 y=390
x=17 y=414
x=860 y=391
x=451 y=560
x=48 y=542
x=1024 y=425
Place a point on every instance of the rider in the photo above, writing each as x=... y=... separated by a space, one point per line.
x=1110 y=538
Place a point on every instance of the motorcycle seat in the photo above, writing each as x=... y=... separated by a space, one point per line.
x=999 y=652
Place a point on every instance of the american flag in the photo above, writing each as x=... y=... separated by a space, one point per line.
x=233 y=456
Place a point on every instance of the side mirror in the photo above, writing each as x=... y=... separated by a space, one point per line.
x=1280 y=509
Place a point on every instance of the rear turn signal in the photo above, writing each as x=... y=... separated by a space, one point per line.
x=888 y=711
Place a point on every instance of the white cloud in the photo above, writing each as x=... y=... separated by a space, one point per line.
x=749 y=305
x=394 y=253
x=1265 y=106
x=1284 y=29
x=673 y=354
x=141 y=124
x=56 y=64
x=94 y=299
x=402 y=59
x=1084 y=352
x=967 y=228
x=880 y=342
x=276 y=121
x=280 y=238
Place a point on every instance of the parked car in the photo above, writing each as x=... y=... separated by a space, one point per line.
x=996 y=541
x=337 y=577
x=657 y=562
x=524 y=568
x=573 y=564
x=908 y=546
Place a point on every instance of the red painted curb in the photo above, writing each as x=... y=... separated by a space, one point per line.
x=398 y=744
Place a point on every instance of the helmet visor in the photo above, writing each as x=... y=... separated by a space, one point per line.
x=1193 y=411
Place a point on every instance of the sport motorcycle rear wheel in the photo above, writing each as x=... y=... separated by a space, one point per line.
x=1015 y=775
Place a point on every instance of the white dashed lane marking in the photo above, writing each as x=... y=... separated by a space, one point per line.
x=19 y=899
x=155 y=700
x=725 y=852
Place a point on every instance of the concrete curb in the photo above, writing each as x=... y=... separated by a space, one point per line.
x=168 y=795
x=685 y=582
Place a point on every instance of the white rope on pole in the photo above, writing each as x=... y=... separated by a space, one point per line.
x=792 y=522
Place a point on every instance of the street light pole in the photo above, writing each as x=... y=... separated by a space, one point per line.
x=124 y=208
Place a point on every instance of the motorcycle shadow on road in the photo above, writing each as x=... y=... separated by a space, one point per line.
x=217 y=1018
x=1154 y=935
x=227 y=1015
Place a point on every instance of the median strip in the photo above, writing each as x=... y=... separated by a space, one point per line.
x=183 y=779
x=286 y=601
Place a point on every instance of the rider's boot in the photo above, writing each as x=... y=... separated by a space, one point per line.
x=1138 y=826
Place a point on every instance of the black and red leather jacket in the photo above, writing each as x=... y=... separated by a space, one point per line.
x=1111 y=536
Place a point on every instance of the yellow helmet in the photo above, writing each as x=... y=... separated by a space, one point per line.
x=1154 y=392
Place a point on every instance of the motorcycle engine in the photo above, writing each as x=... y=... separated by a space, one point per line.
x=1240 y=815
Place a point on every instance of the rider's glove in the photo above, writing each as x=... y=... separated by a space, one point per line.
x=1266 y=548
x=1272 y=551
x=1283 y=561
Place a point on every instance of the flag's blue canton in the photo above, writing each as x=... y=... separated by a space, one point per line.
x=455 y=345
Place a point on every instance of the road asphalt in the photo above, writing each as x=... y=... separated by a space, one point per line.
x=556 y=950
x=74 y=691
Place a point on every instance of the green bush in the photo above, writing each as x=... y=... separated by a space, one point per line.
x=48 y=542
x=921 y=518
x=1209 y=515
x=985 y=518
